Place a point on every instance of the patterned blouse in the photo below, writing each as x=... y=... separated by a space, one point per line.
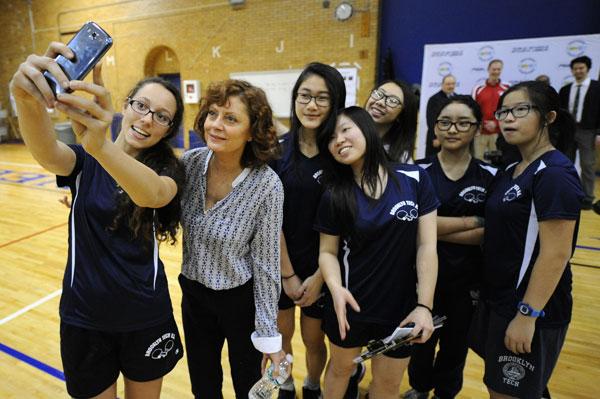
x=236 y=239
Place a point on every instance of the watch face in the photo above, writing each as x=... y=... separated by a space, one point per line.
x=343 y=11
x=524 y=309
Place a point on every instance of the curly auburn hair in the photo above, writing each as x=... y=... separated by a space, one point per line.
x=264 y=145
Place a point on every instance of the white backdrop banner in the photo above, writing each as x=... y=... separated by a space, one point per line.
x=524 y=59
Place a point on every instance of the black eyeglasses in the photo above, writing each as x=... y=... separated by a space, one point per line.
x=518 y=111
x=390 y=101
x=461 y=126
x=321 y=101
x=157 y=116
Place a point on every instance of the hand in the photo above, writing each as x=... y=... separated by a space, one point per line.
x=90 y=118
x=423 y=324
x=342 y=297
x=519 y=334
x=276 y=358
x=291 y=286
x=489 y=125
x=309 y=291
x=29 y=84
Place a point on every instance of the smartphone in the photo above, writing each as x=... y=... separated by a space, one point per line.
x=89 y=45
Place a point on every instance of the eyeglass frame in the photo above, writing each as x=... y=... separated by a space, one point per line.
x=455 y=124
x=385 y=97
x=150 y=111
x=510 y=111
x=311 y=98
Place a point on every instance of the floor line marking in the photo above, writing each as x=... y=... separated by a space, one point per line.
x=32 y=235
x=31 y=306
x=32 y=362
x=590 y=248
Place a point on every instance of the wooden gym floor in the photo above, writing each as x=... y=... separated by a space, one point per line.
x=33 y=246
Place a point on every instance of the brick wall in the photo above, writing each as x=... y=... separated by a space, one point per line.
x=200 y=39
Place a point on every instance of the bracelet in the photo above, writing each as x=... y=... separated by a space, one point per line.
x=420 y=305
x=290 y=276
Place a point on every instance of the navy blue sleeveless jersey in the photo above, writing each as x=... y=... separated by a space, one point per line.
x=379 y=267
x=301 y=178
x=459 y=265
x=112 y=281
x=548 y=188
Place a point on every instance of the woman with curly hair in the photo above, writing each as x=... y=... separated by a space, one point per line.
x=232 y=208
x=115 y=309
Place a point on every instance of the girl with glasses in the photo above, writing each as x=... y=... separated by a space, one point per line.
x=318 y=93
x=232 y=207
x=462 y=184
x=116 y=314
x=394 y=107
x=377 y=224
x=531 y=219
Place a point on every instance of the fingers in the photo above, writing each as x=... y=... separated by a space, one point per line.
x=86 y=105
x=343 y=324
x=100 y=93
x=263 y=363
x=98 y=75
x=58 y=48
x=79 y=116
x=352 y=302
x=31 y=80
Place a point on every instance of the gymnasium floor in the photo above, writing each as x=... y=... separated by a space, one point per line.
x=33 y=245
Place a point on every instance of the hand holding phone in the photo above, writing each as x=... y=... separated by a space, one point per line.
x=88 y=46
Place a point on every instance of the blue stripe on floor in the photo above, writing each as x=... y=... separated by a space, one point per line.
x=590 y=248
x=32 y=362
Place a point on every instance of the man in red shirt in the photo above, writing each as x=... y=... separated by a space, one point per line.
x=487 y=96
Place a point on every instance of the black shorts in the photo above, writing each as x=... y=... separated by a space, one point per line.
x=519 y=375
x=315 y=310
x=360 y=334
x=92 y=360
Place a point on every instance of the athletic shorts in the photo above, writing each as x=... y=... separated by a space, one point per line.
x=92 y=360
x=519 y=375
x=360 y=334
x=315 y=310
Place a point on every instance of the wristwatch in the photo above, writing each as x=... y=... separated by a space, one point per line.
x=527 y=310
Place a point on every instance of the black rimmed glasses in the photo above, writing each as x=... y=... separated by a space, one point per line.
x=159 y=117
x=518 y=111
x=321 y=101
x=390 y=101
x=461 y=126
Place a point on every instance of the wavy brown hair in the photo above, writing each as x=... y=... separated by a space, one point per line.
x=264 y=145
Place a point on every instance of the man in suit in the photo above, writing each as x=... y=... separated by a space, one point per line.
x=582 y=99
x=447 y=91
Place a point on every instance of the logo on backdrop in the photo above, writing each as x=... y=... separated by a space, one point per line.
x=405 y=210
x=445 y=68
x=514 y=369
x=485 y=53
x=527 y=65
x=575 y=48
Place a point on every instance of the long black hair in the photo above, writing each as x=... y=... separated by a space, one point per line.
x=337 y=93
x=402 y=134
x=162 y=223
x=339 y=178
x=544 y=97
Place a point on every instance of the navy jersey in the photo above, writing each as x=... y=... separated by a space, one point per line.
x=301 y=177
x=460 y=265
x=112 y=281
x=379 y=267
x=548 y=188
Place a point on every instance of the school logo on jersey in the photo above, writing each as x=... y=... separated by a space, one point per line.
x=160 y=348
x=317 y=175
x=514 y=369
x=473 y=194
x=512 y=194
x=406 y=211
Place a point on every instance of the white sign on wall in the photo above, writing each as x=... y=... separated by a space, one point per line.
x=524 y=59
x=191 y=91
